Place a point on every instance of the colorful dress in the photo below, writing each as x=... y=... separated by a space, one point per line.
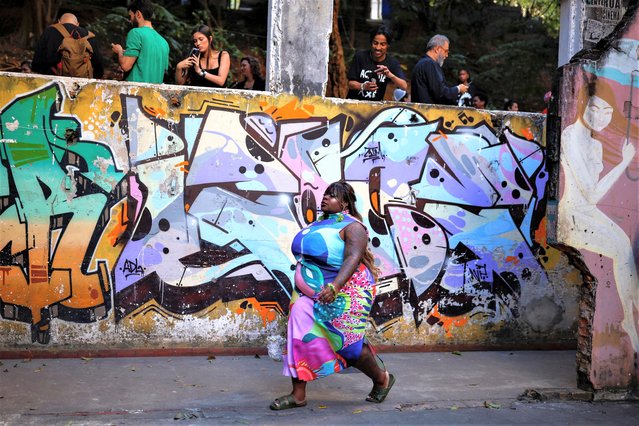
x=325 y=338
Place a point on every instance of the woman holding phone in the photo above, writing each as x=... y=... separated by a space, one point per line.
x=205 y=66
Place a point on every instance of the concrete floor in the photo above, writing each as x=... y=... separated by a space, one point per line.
x=436 y=387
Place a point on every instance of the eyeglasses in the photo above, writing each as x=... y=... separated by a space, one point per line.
x=445 y=50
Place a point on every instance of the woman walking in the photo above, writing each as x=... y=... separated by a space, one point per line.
x=334 y=292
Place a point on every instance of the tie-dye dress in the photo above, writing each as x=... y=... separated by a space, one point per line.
x=325 y=338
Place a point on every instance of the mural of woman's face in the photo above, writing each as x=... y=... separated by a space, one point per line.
x=598 y=114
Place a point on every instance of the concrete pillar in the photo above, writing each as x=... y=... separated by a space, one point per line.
x=298 y=35
x=569 y=30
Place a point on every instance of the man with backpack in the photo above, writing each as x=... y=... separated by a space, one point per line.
x=67 y=49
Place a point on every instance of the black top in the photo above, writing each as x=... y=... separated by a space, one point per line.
x=258 y=84
x=363 y=69
x=196 y=79
x=46 y=57
x=428 y=85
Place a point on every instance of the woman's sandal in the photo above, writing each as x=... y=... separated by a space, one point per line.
x=378 y=394
x=285 y=402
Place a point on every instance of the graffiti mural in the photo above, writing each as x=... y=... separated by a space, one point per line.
x=140 y=209
x=599 y=205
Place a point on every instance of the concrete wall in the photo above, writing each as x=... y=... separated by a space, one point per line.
x=145 y=215
x=599 y=204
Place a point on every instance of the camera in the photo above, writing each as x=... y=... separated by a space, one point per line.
x=195 y=52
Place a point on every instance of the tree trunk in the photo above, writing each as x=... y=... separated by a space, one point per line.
x=337 y=86
x=36 y=16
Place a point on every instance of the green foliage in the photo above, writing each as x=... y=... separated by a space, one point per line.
x=545 y=10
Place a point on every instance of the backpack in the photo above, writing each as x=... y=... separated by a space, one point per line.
x=76 y=53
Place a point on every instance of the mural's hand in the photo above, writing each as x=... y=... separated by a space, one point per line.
x=627 y=152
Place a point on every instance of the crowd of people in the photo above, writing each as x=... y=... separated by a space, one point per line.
x=66 y=48
x=145 y=58
x=373 y=69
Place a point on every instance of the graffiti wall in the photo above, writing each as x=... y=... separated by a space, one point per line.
x=142 y=215
x=599 y=205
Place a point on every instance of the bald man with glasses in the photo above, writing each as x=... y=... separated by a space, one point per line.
x=428 y=85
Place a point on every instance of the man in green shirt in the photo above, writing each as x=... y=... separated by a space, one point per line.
x=146 y=58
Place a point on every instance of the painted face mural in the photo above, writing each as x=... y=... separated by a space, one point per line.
x=190 y=214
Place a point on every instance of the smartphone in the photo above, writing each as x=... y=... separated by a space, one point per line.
x=195 y=52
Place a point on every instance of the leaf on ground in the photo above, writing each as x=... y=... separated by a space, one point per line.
x=257 y=356
x=26 y=360
x=132 y=368
x=357 y=411
x=86 y=358
x=5 y=371
x=185 y=416
x=454 y=407
x=473 y=384
x=456 y=353
x=492 y=405
x=37 y=370
x=210 y=357
x=321 y=407
x=1 y=363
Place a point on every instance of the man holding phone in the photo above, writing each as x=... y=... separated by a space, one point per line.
x=428 y=85
x=371 y=70
x=146 y=58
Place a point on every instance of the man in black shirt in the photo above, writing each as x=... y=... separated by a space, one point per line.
x=47 y=59
x=371 y=69
x=427 y=83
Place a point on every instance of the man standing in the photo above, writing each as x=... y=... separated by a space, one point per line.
x=146 y=58
x=428 y=84
x=47 y=59
x=372 y=69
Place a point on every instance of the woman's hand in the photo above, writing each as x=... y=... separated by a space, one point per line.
x=327 y=295
x=181 y=67
x=187 y=63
